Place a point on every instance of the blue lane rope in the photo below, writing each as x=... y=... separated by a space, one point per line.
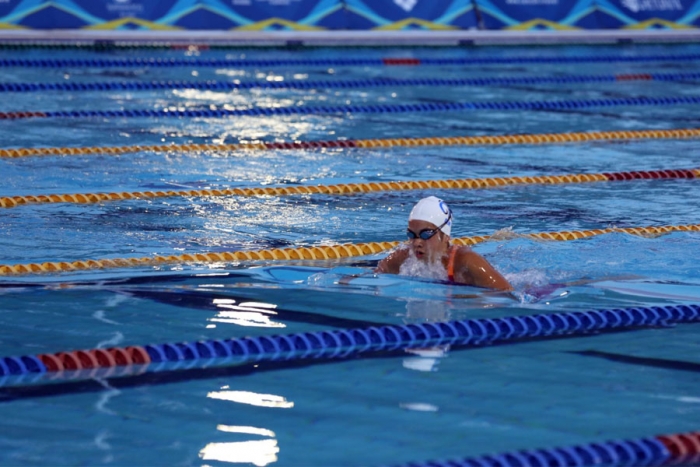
x=340 y=84
x=634 y=452
x=175 y=62
x=342 y=343
x=386 y=108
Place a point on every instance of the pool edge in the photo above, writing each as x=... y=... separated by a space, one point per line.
x=361 y=38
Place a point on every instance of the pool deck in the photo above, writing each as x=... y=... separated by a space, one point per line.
x=354 y=38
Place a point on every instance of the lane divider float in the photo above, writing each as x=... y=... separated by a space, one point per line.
x=109 y=44
x=387 y=61
x=321 y=252
x=346 y=342
x=178 y=112
x=338 y=84
x=494 y=140
x=674 y=449
x=354 y=188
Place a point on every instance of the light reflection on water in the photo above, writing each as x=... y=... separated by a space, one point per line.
x=258 y=97
x=256 y=452
x=251 y=398
x=259 y=452
x=244 y=318
x=246 y=429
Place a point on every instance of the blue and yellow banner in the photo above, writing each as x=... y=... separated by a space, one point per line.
x=266 y=15
x=410 y=14
x=537 y=14
x=173 y=14
x=646 y=14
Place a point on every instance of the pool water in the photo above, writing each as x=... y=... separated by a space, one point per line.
x=380 y=408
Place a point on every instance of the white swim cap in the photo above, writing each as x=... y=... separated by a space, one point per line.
x=435 y=211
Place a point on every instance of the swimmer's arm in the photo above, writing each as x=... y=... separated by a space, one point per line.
x=392 y=263
x=345 y=280
x=389 y=265
x=475 y=270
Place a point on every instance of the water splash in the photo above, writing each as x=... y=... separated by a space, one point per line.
x=414 y=267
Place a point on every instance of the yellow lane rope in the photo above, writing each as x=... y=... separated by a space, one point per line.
x=542 y=138
x=323 y=252
x=350 y=188
x=537 y=138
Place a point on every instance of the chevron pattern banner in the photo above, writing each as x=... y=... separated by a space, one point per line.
x=537 y=14
x=588 y=14
x=410 y=14
x=266 y=15
x=173 y=14
x=645 y=14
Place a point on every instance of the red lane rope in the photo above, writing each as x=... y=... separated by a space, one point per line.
x=401 y=61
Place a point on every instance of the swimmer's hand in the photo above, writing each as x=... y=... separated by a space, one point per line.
x=345 y=280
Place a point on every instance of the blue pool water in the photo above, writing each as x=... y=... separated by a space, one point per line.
x=381 y=409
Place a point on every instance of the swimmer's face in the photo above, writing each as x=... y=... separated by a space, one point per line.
x=430 y=249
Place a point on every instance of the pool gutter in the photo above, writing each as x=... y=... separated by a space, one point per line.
x=356 y=38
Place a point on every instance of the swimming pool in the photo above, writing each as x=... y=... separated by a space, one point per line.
x=386 y=407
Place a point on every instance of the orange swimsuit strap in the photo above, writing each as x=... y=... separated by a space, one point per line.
x=451 y=263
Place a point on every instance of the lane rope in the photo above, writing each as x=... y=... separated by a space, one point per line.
x=353 y=341
x=354 y=188
x=674 y=449
x=388 y=61
x=536 y=138
x=320 y=252
x=340 y=84
x=109 y=44
x=179 y=112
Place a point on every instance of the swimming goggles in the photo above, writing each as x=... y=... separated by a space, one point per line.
x=427 y=234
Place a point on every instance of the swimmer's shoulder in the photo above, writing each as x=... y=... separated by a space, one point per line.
x=462 y=252
x=393 y=261
x=462 y=256
x=473 y=269
x=466 y=258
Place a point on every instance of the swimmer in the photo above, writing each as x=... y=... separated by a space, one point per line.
x=428 y=251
